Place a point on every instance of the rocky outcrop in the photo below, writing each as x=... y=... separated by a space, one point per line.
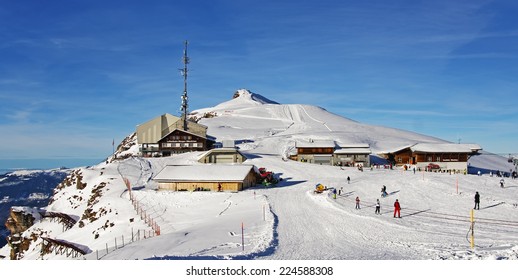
x=19 y=220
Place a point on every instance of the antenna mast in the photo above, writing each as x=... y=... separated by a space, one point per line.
x=184 y=71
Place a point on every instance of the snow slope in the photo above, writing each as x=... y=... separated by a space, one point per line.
x=287 y=221
x=244 y=119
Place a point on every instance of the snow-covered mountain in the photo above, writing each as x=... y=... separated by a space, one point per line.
x=250 y=116
x=92 y=209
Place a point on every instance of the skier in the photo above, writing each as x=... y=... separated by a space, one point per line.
x=334 y=193
x=477 y=201
x=357 y=202
x=397 y=209
x=384 y=191
x=502 y=183
x=378 y=206
x=348 y=180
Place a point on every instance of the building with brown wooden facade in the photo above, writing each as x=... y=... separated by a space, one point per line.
x=448 y=156
x=315 y=151
x=328 y=152
x=165 y=135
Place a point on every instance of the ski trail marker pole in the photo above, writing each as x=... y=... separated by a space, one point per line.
x=242 y=236
x=472 y=228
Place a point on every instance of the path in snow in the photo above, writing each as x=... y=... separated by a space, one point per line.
x=310 y=228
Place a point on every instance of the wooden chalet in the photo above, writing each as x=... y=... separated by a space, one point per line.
x=315 y=151
x=180 y=141
x=206 y=177
x=166 y=135
x=448 y=156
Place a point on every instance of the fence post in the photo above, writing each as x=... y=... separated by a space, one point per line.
x=132 y=240
x=97 y=253
x=106 y=248
x=116 y=243
x=122 y=240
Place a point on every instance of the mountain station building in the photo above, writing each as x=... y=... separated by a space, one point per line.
x=166 y=135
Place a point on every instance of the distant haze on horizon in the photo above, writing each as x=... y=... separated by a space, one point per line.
x=77 y=75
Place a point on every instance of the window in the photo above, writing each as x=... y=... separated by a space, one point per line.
x=430 y=158
x=438 y=158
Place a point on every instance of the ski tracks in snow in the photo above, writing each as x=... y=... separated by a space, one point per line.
x=293 y=112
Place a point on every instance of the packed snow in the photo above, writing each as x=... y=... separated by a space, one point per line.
x=288 y=220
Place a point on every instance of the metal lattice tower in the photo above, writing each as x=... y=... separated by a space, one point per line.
x=184 y=71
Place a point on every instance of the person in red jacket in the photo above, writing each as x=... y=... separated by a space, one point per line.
x=397 y=209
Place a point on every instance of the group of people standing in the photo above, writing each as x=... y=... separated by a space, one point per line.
x=397 y=207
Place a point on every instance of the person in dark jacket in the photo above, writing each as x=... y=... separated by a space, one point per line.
x=477 y=201
x=397 y=209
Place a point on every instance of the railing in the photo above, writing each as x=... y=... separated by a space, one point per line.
x=144 y=216
x=118 y=243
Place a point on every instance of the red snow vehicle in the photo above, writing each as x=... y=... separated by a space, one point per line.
x=267 y=177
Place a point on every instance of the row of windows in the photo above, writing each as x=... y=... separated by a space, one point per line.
x=180 y=137
x=182 y=145
x=316 y=150
x=438 y=158
x=355 y=157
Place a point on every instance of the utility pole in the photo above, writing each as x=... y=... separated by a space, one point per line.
x=184 y=71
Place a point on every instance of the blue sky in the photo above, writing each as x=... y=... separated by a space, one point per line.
x=76 y=74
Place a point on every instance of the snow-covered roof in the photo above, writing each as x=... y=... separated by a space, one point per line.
x=206 y=172
x=445 y=148
x=353 y=145
x=395 y=150
x=220 y=150
x=354 y=151
x=316 y=144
